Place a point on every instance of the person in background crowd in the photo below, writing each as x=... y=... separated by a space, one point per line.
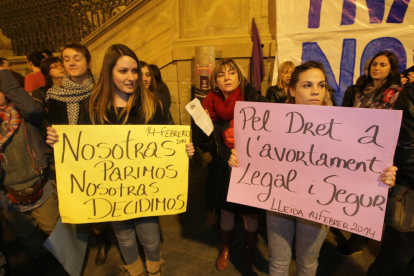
x=6 y=64
x=27 y=195
x=162 y=89
x=396 y=256
x=121 y=98
x=279 y=93
x=349 y=96
x=46 y=53
x=157 y=73
x=379 y=90
x=64 y=106
x=152 y=85
x=54 y=72
x=230 y=86
x=35 y=79
x=307 y=86
x=64 y=100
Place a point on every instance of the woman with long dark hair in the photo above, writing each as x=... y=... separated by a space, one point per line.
x=379 y=90
x=153 y=82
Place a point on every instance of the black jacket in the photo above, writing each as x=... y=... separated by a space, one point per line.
x=349 y=96
x=40 y=93
x=58 y=112
x=276 y=95
x=163 y=93
x=404 y=154
x=135 y=116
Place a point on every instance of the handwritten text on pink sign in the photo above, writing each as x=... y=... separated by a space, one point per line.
x=315 y=162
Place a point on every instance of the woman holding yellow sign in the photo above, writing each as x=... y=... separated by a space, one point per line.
x=120 y=97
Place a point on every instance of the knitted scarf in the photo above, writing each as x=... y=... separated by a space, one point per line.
x=11 y=117
x=220 y=109
x=71 y=93
x=371 y=99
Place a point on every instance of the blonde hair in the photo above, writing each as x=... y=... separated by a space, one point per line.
x=103 y=95
x=285 y=65
x=233 y=66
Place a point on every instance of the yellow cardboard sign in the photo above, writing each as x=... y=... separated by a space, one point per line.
x=120 y=172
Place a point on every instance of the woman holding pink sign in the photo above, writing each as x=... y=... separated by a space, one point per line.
x=307 y=86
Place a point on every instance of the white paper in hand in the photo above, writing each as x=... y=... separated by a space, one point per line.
x=200 y=117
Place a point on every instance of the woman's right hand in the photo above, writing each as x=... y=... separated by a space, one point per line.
x=388 y=176
x=52 y=137
x=233 y=161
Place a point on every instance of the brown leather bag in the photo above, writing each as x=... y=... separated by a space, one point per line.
x=27 y=195
x=400 y=209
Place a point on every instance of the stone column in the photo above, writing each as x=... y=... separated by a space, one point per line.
x=204 y=63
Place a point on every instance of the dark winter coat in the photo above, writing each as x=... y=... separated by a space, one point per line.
x=276 y=95
x=218 y=177
x=404 y=154
x=135 y=116
x=32 y=113
x=349 y=96
x=163 y=93
x=58 y=112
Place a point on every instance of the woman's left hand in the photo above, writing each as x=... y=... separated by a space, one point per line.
x=190 y=149
x=233 y=161
x=388 y=176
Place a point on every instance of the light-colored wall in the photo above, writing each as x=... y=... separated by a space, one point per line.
x=166 y=32
x=19 y=63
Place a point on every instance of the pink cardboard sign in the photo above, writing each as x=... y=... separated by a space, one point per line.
x=319 y=163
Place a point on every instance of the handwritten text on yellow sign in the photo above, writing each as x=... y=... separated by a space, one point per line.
x=112 y=173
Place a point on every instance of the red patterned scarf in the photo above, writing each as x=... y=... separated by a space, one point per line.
x=221 y=109
x=11 y=117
